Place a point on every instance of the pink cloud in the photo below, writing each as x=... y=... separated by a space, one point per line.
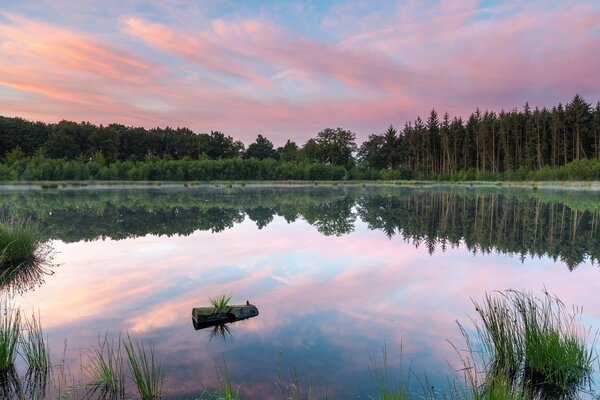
x=249 y=74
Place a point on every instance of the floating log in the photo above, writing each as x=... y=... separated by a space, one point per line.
x=203 y=317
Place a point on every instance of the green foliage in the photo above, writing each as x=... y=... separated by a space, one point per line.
x=220 y=303
x=147 y=373
x=21 y=243
x=105 y=367
x=10 y=331
x=533 y=343
x=262 y=148
x=388 y=386
x=227 y=389
x=335 y=146
x=34 y=348
x=526 y=144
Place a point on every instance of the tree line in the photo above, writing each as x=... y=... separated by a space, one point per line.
x=514 y=144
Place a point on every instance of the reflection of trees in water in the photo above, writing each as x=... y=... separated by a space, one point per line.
x=487 y=222
x=563 y=225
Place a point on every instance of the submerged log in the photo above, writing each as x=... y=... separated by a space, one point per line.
x=203 y=317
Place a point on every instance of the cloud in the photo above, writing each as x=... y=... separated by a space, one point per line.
x=247 y=72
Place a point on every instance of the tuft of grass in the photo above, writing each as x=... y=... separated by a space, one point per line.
x=10 y=332
x=292 y=390
x=227 y=389
x=34 y=349
x=21 y=243
x=24 y=254
x=106 y=369
x=146 y=370
x=220 y=303
x=532 y=342
x=388 y=387
x=556 y=359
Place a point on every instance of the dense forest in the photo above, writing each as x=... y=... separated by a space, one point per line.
x=562 y=225
x=558 y=143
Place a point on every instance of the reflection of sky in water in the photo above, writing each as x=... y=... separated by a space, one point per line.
x=326 y=303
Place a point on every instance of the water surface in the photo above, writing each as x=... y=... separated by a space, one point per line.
x=336 y=272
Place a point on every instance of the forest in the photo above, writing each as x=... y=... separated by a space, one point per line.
x=560 y=143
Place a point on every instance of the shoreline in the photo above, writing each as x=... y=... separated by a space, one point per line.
x=99 y=184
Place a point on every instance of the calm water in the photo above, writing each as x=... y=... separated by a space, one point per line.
x=336 y=272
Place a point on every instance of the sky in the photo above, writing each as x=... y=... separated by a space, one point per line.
x=288 y=69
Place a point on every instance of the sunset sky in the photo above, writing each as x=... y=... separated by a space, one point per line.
x=287 y=69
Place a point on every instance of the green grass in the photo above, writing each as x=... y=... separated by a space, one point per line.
x=21 y=243
x=227 y=390
x=388 y=386
x=10 y=331
x=107 y=375
x=220 y=303
x=292 y=389
x=557 y=359
x=24 y=254
x=34 y=348
x=533 y=343
x=147 y=373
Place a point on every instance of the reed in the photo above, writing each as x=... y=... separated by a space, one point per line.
x=227 y=389
x=533 y=343
x=21 y=243
x=388 y=387
x=220 y=303
x=34 y=349
x=146 y=370
x=106 y=369
x=10 y=332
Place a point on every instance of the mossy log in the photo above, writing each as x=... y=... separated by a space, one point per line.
x=203 y=317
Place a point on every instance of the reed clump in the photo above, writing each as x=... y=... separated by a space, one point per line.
x=532 y=343
x=21 y=243
x=24 y=254
x=388 y=386
x=220 y=303
x=107 y=375
x=10 y=331
x=34 y=349
x=147 y=373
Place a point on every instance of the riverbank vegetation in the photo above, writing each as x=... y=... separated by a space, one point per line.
x=561 y=143
x=522 y=347
x=24 y=253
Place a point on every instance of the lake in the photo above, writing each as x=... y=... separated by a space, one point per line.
x=337 y=273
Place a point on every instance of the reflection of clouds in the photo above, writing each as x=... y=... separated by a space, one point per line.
x=321 y=299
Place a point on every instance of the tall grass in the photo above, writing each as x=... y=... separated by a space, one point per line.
x=227 y=390
x=220 y=303
x=34 y=348
x=146 y=370
x=24 y=254
x=10 y=330
x=388 y=386
x=292 y=389
x=532 y=343
x=107 y=375
x=21 y=243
